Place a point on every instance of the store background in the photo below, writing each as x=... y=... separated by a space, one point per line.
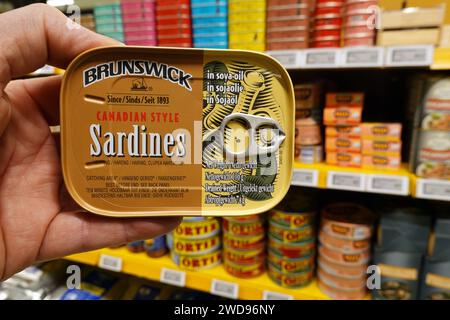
x=402 y=177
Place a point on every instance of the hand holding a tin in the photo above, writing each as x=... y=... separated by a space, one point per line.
x=38 y=220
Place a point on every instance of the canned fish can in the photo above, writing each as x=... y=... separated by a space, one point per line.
x=189 y=247
x=346 y=272
x=290 y=280
x=234 y=228
x=290 y=265
x=308 y=117
x=245 y=219
x=197 y=229
x=341 y=294
x=341 y=283
x=243 y=270
x=124 y=156
x=288 y=235
x=359 y=41
x=308 y=95
x=245 y=256
x=344 y=245
x=155 y=247
x=309 y=154
x=347 y=259
x=136 y=246
x=347 y=221
x=198 y=262
x=308 y=135
x=292 y=220
x=243 y=243
x=292 y=250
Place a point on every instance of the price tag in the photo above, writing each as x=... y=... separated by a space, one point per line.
x=225 y=289
x=111 y=263
x=173 y=277
x=321 y=58
x=346 y=181
x=410 y=56
x=388 y=184
x=305 y=178
x=362 y=57
x=270 y=295
x=290 y=59
x=433 y=189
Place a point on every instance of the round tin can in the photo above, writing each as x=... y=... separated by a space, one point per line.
x=347 y=259
x=291 y=220
x=329 y=3
x=326 y=43
x=234 y=228
x=341 y=283
x=290 y=265
x=308 y=135
x=292 y=250
x=309 y=154
x=341 y=294
x=196 y=246
x=288 y=235
x=344 y=245
x=346 y=272
x=290 y=280
x=328 y=32
x=359 y=42
x=155 y=247
x=198 y=262
x=197 y=229
x=242 y=270
x=329 y=8
x=245 y=219
x=347 y=221
x=359 y=32
x=136 y=246
x=352 y=6
x=308 y=117
x=243 y=243
x=357 y=19
x=244 y=256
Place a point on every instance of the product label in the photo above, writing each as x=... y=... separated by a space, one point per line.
x=437 y=281
x=174 y=133
x=398 y=272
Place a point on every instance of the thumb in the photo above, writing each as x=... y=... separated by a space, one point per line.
x=5 y=112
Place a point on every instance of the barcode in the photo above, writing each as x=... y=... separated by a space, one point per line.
x=224 y=289
x=110 y=263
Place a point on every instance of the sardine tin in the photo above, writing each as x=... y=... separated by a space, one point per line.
x=154 y=131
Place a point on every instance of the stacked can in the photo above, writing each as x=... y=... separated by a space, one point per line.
x=108 y=21
x=154 y=248
x=360 y=22
x=308 y=129
x=195 y=244
x=210 y=23
x=247 y=24
x=288 y=23
x=173 y=23
x=327 y=24
x=344 y=253
x=292 y=246
x=87 y=20
x=244 y=246
x=139 y=22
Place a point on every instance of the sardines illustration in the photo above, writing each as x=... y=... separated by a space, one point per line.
x=162 y=131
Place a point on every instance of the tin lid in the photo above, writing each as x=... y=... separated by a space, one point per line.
x=348 y=213
x=156 y=131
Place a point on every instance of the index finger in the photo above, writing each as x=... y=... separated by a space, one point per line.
x=39 y=34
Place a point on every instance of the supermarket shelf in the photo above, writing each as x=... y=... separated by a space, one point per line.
x=164 y=270
x=365 y=57
x=401 y=182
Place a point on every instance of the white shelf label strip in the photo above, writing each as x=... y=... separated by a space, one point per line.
x=289 y=59
x=388 y=184
x=111 y=263
x=362 y=57
x=270 y=295
x=224 y=289
x=173 y=277
x=346 y=181
x=305 y=178
x=433 y=189
x=321 y=58
x=405 y=56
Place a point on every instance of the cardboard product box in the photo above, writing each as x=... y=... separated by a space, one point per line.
x=445 y=36
x=400 y=275
x=404 y=230
x=381 y=148
x=308 y=95
x=343 y=132
x=408 y=37
x=429 y=3
x=344 y=100
x=344 y=159
x=342 y=116
x=381 y=162
x=352 y=145
x=439 y=248
x=413 y=17
x=392 y=4
x=381 y=131
x=436 y=280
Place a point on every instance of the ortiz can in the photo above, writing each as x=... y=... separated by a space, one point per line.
x=347 y=221
x=195 y=247
x=290 y=280
x=290 y=265
x=292 y=250
x=128 y=140
x=198 y=262
x=288 y=235
x=197 y=229
x=234 y=228
x=244 y=270
x=247 y=257
x=243 y=243
x=292 y=220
